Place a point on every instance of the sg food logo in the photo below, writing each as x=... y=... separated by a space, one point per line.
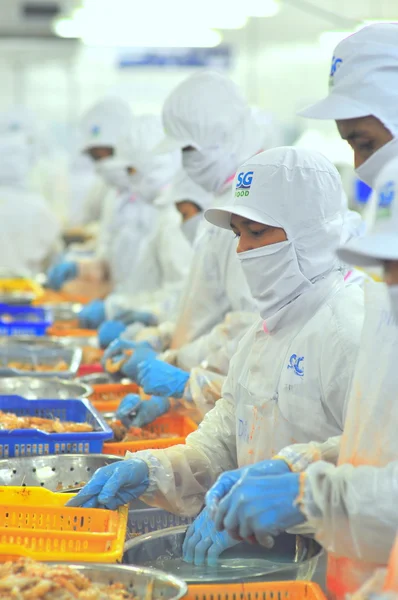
x=243 y=184
x=336 y=64
x=385 y=200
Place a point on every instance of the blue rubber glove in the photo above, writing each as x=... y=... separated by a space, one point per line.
x=110 y=331
x=161 y=379
x=92 y=315
x=134 y=412
x=143 y=352
x=116 y=349
x=59 y=274
x=114 y=485
x=203 y=544
x=138 y=316
x=260 y=506
x=228 y=479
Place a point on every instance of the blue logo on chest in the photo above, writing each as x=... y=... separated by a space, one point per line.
x=295 y=363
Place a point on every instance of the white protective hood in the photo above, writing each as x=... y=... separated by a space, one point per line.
x=15 y=160
x=299 y=191
x=105 y=123
x=208 y=112
x=184 y=189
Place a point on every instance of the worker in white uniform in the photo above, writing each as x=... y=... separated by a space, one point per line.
x=362 y=97
x=165 y=261
x=30 y=232
x=298 y=359
x=352 y=506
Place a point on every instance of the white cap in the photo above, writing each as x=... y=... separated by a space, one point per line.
x=201 y=112
x=297 y=190
x=382 y=242
x=363 y=78
x=106 y=123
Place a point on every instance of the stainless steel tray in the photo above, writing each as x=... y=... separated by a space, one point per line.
x=32 y=341
x=34 y=388
x=56 y=472
x=136 y=579
x=17 y=298
x=292 y=557
x=64 y=311
x=36 y=356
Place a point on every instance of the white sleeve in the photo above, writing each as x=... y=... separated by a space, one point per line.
x=181 y=475
x=353 y=509
x=300 y=456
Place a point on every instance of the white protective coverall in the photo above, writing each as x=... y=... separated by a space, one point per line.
x=30 y=232
x=289 y=378
x=163 y=260
x=105 y=124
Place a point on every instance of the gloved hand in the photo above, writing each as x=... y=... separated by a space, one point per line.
x=228 y=479
x=203 y=544
x=137 y=316
x=92 y=315
x=161 y=379
x=260 y=506
x=110 y=331
x=134 y=412
x=114 y=485
x=59 y=274
x=142 y=351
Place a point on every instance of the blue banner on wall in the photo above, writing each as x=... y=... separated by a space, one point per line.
x=216 y=58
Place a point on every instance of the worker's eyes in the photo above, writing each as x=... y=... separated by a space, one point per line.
x=258 y=233
x=236 y=234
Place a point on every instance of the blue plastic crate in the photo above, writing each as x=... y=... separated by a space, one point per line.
x=31 y=442
x=24 y=320
x=146 y=520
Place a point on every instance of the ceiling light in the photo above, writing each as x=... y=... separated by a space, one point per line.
x=261 y=8
x=66 y=28
x=147 y=39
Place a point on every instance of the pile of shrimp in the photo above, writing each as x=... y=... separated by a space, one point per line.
x=26 y=579
x=11 y=421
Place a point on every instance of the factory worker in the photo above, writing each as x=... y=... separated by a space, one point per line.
x=30 y=232
x=363 y=95
x=48 y=174
x=167 y=257
x=289 y=376
x=352 y=506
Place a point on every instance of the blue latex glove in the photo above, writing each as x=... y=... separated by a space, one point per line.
x=134 y=412
x=92 y=315
x=203 y=544
x=59 y=274
x=114 y=485
x=161 y=379
x=110 y=331
x=116 y=349
x=228 y=479
x=138 y=316
x=142 y=351
x=260 y=506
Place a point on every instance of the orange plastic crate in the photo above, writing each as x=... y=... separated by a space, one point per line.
x=170 y=423
x=278 y=590
x=57 y=331
x=35 y=522
x=52 y=297
x=100 y=398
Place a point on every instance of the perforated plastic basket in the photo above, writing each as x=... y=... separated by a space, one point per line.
x=107 y=397
x=36 y=523
x=24 y=320
x=278 y=590
x=170 y=423
x=32 y=442
x=146 y=520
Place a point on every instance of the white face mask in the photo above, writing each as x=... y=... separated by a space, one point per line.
x=273 y=276
x=370 y=169
x=393 y=293
x=190 y=227
x=210 y=170
x=115 y=176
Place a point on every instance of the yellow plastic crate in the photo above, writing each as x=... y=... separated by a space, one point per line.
x=20 y=285
x=35 y=522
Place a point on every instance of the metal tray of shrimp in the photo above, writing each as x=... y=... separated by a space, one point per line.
x=34 y=388
x=18 y=360
x=58 y=473
x=64 y=311
x=292 y=557
x=142 y=583
x=32 y=341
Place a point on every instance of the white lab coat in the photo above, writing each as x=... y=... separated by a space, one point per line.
x=29 y=232
x=289 y=385
x=358 y=527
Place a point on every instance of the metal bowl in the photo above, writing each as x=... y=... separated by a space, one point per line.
x=34 y=388
x=33 y=342
x=57 y=473
x=137 y=580
x=292 y=557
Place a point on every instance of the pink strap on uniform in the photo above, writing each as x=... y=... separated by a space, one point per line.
x=265 y=328
x=347 y=275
